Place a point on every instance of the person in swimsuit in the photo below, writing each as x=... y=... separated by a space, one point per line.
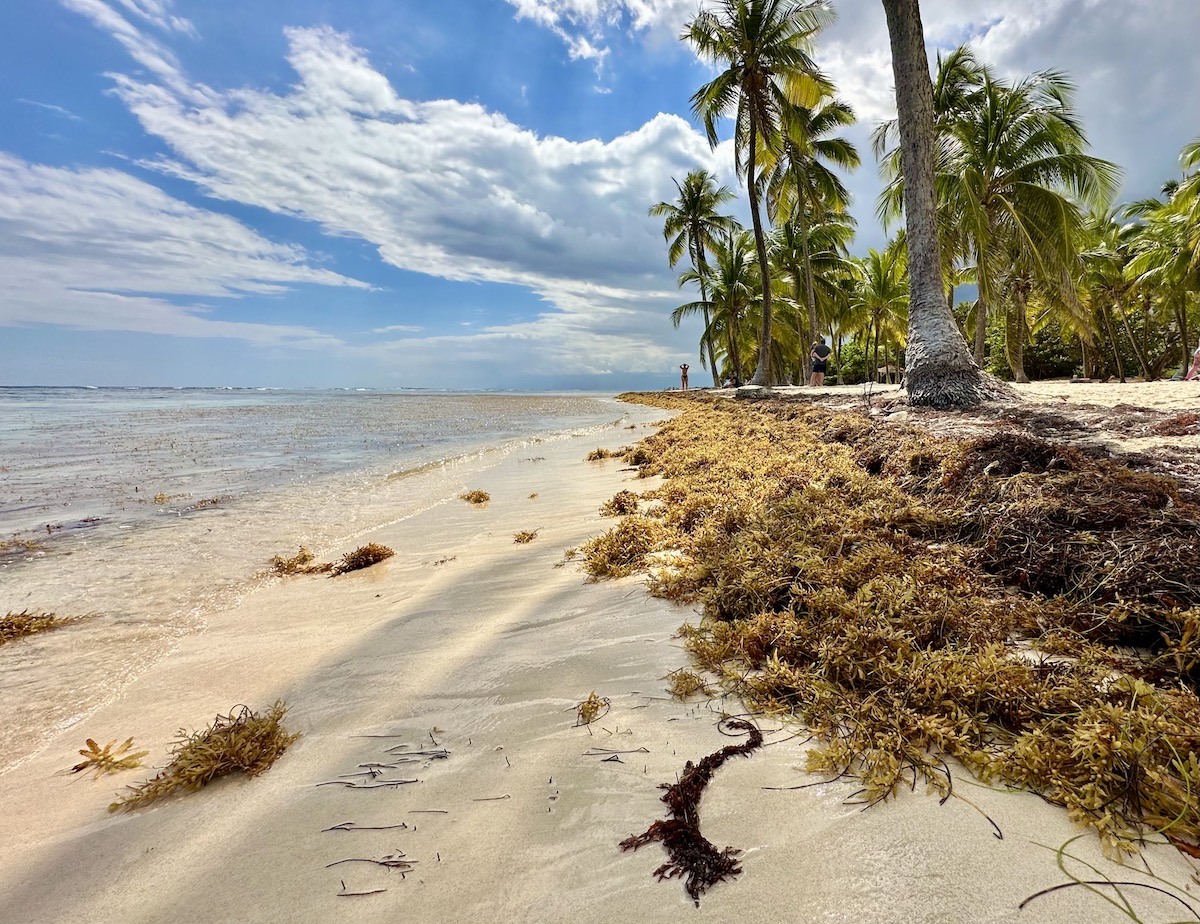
x=1195 y=370
x=683 y=377
x=820 y=360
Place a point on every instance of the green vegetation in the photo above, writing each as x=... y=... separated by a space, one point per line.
x=1068 y=282
x=245 y=741
x=1029 y=610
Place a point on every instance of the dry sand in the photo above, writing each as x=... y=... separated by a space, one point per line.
x=483 y=646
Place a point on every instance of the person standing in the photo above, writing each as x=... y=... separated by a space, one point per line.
x=683 y=383
x=820 y=360
x=1195 y=370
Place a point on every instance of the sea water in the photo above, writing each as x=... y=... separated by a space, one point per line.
x=144 y=510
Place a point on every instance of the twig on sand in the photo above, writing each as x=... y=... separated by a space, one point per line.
x=382 y=784
x=354 y=826
x=345 y=894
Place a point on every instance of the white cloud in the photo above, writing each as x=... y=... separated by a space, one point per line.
x=50 y=107
x=101 y=250
x=441 y=187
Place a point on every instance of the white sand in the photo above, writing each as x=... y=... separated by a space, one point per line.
x=489 y=652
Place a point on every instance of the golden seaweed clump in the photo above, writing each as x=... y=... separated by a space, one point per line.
x=17 y=625
x=476 y=498
x=592 y=708
x=620 y=504
x=363 y=557
x=525 y=536
x=245 y=741
x=597 y=455
x=300 y=563
x=622 y=551
x=683 y=683
x=102 y=760
x=1028 y=609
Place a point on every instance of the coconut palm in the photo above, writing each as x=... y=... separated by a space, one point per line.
x=939 y=369
x=881 y=297
x=1011 y=168
x=691 y=224
x=802 y=187
x=764 y=48
x=732 y=286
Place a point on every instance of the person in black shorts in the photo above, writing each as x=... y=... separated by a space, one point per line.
x=820 y=360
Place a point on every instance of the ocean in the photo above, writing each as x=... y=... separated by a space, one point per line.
x=143 y=510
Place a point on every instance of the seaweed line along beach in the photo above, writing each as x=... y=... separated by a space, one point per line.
x=146 y=510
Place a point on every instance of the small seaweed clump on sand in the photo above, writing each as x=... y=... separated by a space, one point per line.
x=245 y=741
x=598 y=455
x=1025 y=608
x=363 y=557
x=476 y=498
x=18 y=625
x=102 y=760
x=300 y=563
x=592 y=708
x=691 y=853
x=620 y=504
x=525 y=536
x=683 y=683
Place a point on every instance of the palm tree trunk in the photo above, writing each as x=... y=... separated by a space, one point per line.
x=701 y=270
x=1015 y=333
x=941 y=372
x=1143 y=362
x=762 y=374
x=1112 y=339
x=808 y=282
x=1185 y=341
x=981 y=307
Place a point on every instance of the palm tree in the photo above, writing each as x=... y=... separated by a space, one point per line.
x=731 y=284
x=765 y=49
x=1010 y=168
x=939 y=369
x=814 y=261
x=691 y=223
x=881 y=296
x=801 y=187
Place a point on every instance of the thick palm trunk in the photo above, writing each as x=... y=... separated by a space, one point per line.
x=941 y=372
x=762 y=374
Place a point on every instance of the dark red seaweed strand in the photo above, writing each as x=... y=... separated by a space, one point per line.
x=690 y=853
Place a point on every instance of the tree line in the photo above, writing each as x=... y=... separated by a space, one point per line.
x=995 y=185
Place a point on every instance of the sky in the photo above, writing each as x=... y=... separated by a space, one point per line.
x=404 y=193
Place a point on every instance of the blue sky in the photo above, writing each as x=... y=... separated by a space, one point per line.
x=397 y=193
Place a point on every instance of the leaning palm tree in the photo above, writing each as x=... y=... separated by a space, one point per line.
x=940 y=371
x=765 y=49
x=691 y=224
x=801 y=186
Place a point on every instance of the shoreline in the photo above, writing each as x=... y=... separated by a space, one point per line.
x=482 y=646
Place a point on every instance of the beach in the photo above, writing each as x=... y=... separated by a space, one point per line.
x=471 y=653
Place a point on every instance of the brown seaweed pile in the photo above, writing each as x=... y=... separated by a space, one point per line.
x=300 y=563
x=17 y=625
x=476 y=498
x=245 y=741
x=363 y=557
x=690 y=853
x=1016 y=604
